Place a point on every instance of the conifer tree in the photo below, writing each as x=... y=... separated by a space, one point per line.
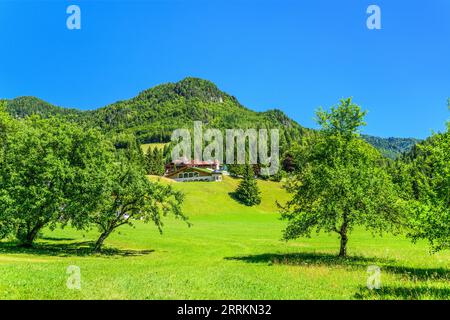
x=248 y=192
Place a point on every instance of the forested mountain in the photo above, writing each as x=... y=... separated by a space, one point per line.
x=25 y=106
x=391 y=147
x=154 y=113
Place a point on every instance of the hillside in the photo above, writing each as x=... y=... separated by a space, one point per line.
x=154 y=113
x=196 y=203
x=392 y=147
x=25 y=106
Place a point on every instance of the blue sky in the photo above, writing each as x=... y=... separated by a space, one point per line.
x=292 y=55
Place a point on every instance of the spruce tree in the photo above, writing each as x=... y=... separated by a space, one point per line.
x=247 y=192
x=149 y=161
x=154 y=161
x=158 y=164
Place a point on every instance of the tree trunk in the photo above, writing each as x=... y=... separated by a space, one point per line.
x=343 y=250
x=101 y=239
x=344 y=238
x=30 y=236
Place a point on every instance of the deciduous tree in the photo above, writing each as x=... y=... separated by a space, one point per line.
x=51 y=172
x=132 y=197
x=430 y=201
x=341 y=182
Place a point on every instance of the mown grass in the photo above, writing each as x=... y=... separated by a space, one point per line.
x=230 y=252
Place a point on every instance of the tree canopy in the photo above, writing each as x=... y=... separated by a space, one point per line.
x=429 y=181
x=131 y=196
x=51 y=172
x=341 y=181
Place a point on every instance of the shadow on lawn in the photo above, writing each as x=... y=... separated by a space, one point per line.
x=418 y=274
x=305 y=259
x=84 y=248
x=233 y=195
x=325 y=259
x=413 y=293
x=57 y=239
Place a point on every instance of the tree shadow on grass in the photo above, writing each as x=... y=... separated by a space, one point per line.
x=57 y=239
x=325 y=259
x=309 y=259
x=407 y=293
x=84 y=248
x=233 y=195
x=418 y=274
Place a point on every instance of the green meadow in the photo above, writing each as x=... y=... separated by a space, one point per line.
x=230 y=252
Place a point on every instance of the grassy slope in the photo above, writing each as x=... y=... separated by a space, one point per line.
x=231 y=252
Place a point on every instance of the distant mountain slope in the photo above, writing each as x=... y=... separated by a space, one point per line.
x=154 y=113
x=392 y=147
x=25 y=106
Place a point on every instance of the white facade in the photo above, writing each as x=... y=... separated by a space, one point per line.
x=195 y=176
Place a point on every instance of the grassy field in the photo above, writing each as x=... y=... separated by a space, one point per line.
x=230 y=252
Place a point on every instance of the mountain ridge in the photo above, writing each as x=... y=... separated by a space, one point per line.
x=154 y=113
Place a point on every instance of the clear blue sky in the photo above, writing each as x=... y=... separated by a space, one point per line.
x=292 y=55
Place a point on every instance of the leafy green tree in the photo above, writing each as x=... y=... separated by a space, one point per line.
x=341 y=182
x=51 y=173
x=6 y=128
x=132 y=196
x=6 y=124
x=430 y=204
x=247 y=191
